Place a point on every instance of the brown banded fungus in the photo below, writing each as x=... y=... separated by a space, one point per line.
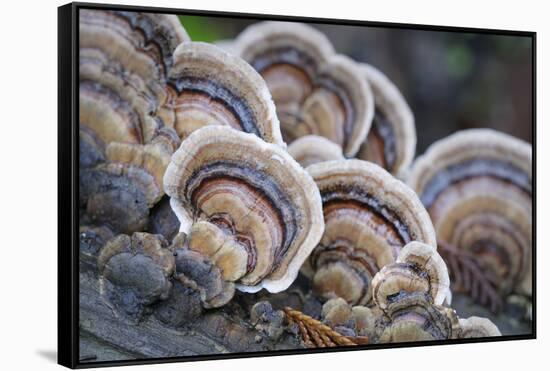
x=316 y=90
x=369 y=217
x=135 y=273
x=200 y=274
x=410 y=293
x=311 y=149
x=125 y=58
x=126 y=132
x=143 y=163
x=336 y=312
x=208 y=86
x=356 y=321
x=414 y=317
x=121 y=191
x=477 y=187
x=418 y=268
x=391 y=140
x=477 y=327
x=246 y=206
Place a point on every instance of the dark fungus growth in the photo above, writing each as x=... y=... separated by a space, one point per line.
x=135 y=273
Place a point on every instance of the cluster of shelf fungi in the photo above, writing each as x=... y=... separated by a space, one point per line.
x=263 y=194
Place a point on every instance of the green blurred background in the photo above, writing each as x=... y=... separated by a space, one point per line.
x=451 y=80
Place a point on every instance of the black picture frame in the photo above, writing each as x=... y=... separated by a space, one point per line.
x=68 y=192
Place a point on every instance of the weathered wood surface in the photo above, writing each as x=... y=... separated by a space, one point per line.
x=107 y=336
x=104 y=335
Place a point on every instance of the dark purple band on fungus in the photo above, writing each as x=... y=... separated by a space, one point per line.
x=115 y=68
x=341 y=251
x=145 y=36
x=345 y=101
x=259 y=183
x=234 y=104
x=284 y=56
x=101 y=92
x=405 y=306
x=364 y=200
x=154 y=37
x=382 y=131
x=470 y=169
x=226 y=223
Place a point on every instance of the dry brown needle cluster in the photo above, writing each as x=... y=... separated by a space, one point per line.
x=316 y=334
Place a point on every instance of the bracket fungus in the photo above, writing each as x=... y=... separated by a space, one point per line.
x=135 y=273
x=209 y=86
x=414 y=317
x=391 y=140
x=121 y=191
x=477 y=187
x=477 y=327
x=316 y=90
x=336 y=312
x=197 y=272
x=246 y=206
x=125 y=58
x=311 y=149
x=125 y=127
x=418 y=268
x=411 y=292
x=369 y=217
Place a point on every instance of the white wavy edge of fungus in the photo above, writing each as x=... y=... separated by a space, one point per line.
x=391 y=183
x=389 y=95
x=482 y=137
x=420 y=248
x=238 y=64
x=313 y=236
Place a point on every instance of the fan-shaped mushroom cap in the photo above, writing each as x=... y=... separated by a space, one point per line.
x=108 y=115
x=316 y=91
x=151 y=159
x=312 y=149
x=365 y=320
x=391 y=140
x=124 y=61
x=477 y=187
x=477 y=327
x=212 y=87
x=414 y=318
x=256 y=213
x=418 y=268
x=369 y=217
x=134 y=272
x=270 y=43
x=143 y=42
x=115 y=104
x=200 y=274
x=121 y=191
x=340 y=107
x=336 y=312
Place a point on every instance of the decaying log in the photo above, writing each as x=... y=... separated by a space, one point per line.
x=107 y=336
